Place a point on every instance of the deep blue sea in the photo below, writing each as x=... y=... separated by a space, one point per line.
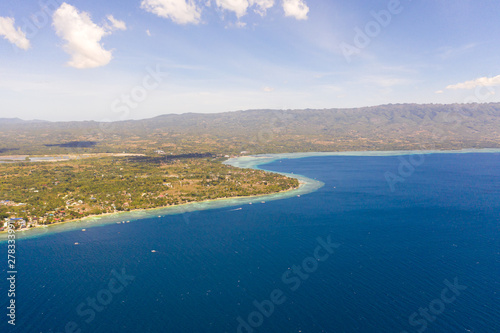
x=355 y=256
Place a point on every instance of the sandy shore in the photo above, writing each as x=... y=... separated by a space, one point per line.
x=307 y=185
x=137 y=214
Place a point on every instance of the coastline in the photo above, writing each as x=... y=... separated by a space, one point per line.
x=254 y=161
x=307 y=185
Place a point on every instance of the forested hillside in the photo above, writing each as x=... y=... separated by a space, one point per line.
x=386 y=127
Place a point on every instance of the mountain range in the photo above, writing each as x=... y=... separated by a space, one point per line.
x=384 y=127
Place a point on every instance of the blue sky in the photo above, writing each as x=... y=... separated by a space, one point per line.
x=117 y=60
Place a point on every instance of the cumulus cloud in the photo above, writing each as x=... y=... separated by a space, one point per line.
x=296 y=8
x=261 y=6
x=239 y=7
x=117 y=24
x=481 y=82
x=82 y=37
x=13 y=35
x=189 y=11
x=179 y=11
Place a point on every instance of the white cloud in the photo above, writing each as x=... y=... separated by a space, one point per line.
x=148 y=33
x=439 y=92
x=262 y=6
x=82 y=37
x=483 y=82
x=13 y=35
x=189 y=11
x=268 y=89
x=179 y=11
x=296 y=8
x=239 y=7
x=117 y=24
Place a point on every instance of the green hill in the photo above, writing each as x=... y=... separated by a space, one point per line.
x=385 y=127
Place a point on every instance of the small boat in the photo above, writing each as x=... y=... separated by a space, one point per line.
x=262 y=202
x=76 y=243
x=84 y=230
x=153 y=251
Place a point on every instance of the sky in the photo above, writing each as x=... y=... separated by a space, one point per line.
x=134 y=59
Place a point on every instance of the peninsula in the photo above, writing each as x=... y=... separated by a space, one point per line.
x=51 y=172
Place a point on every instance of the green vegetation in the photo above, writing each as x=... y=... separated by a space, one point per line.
x=175 y=167
x=53 y=192
x=386 y=127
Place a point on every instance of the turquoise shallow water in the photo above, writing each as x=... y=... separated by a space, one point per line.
x=218 y=270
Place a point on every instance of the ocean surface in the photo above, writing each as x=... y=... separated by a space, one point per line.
x=388 y=244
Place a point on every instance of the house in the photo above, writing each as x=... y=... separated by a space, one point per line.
x=20 y=221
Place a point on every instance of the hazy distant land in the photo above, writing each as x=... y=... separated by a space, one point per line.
x=170 y=160
x=385 y=127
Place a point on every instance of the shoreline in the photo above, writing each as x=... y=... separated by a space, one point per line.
x=138 y=214
x=253 y=161
x=306 y=185
x=132 y=214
